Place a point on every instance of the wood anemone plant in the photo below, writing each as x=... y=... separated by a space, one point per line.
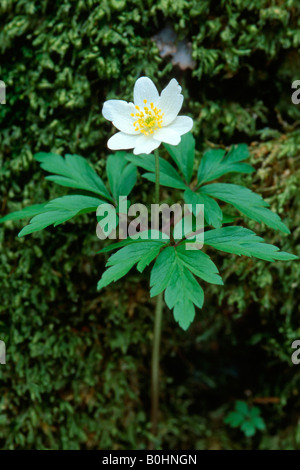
x=176 y=269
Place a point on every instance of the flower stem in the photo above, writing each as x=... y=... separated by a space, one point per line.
x=156 y=335
x=156 y=154
x=155 y=365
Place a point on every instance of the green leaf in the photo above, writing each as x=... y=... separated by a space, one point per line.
x=242 y=407
x=168 y=176
x=183 y=155
x=72 y=171
x=162 y=270
x=133 y=254
x=215 y=163
x=148 y=257
x=123 y=260
x=182 y=292
x=114 y=273
x=153 y=235
x=121 y=175
x=166 y=180
x=227 y=219
x=184 y=312
x=60 y=210
x=199 y=264
x=259 y=423
x=173 y=271
x=248 y=428
x=29 y=211
x=212 y=212
x=242 y=241
x=246 y=418
x=234 y=419
x=183 y=285
x=114 y=246
x=247 y=202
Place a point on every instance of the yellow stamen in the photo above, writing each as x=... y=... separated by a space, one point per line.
x=148 y=120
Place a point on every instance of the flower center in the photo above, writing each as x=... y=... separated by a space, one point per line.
x=148 y=119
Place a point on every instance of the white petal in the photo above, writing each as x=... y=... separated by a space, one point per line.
x=182 y=125
x=118 y=112
x=121 y=141
x=144 y=89
x=145 y=145
x=170 y=102
x=167 y=135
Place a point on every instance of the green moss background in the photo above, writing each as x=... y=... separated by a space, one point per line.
x=77 y=372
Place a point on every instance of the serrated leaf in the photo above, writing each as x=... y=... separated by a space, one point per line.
x=115 y=246
x=60 y=210
x=73 y=171
x=215 y=163
x=182 y=284
x=25 y=213
x=184 y=313
x=248 y=428
x=153 y=235
x=247 y=202
x=259 y=423
x=199 y=264
x=162 y=270
x=124 y=259
x=133 y=253
x=183 y=154
x=212 y=211
x=121 y=174
x=182 y=292
x=148 y=258
x=242 y=241
x=234 y=419
x=128 y=180
x=174 y=272
x=227 y=219
x=242 y=407
x=165 y=180
x=246 y=418
x=168 y=176
x=114 y=273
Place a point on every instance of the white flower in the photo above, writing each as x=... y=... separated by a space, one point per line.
x=150 y=120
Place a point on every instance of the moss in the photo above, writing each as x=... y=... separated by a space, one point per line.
x=77 y=373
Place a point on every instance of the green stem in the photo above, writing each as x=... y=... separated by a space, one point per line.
x=155 y=365
x=156 y=154
x=156 y=334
